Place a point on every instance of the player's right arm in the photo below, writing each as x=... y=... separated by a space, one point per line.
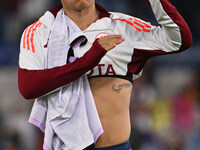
x=35 y=81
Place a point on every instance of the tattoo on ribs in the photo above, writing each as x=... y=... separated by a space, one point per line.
x=118 y=88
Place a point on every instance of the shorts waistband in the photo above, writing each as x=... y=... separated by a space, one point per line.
x=123 y=146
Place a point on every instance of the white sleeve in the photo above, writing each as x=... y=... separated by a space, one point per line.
x=32 y=55
x=172 y=36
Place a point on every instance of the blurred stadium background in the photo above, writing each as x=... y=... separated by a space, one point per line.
x=165 y=101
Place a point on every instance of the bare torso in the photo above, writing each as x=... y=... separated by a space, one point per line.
x=112 y=98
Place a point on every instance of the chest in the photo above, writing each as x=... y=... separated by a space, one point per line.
x=115 y=61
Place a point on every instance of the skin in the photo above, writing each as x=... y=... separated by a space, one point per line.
x=111 y=95
x=82 y=12
x=112 y=98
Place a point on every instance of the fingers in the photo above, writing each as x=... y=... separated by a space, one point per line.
x=111 y=41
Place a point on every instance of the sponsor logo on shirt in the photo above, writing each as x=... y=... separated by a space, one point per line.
x=102 y=69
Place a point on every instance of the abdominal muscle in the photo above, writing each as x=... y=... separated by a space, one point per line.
x=112 y=98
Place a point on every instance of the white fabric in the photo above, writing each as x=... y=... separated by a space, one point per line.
x=117 y=61
x=68 y=117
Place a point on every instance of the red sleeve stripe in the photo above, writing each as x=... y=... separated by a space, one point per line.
x=128 y=22
x=138 y=25
x=29 y=34
x=32 y=35
x=148 y=25
x=144 y=26
x=24 y=42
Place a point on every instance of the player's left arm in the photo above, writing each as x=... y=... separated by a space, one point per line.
x=173 y=36
x=175 y=29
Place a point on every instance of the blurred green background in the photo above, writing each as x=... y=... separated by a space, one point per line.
x=165 y=100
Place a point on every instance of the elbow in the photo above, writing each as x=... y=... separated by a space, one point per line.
x=187 y=42
x=26 y=94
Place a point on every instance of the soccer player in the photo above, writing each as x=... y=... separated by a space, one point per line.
x=117 y=48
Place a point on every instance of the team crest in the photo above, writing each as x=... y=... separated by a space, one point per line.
x=101 y=35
